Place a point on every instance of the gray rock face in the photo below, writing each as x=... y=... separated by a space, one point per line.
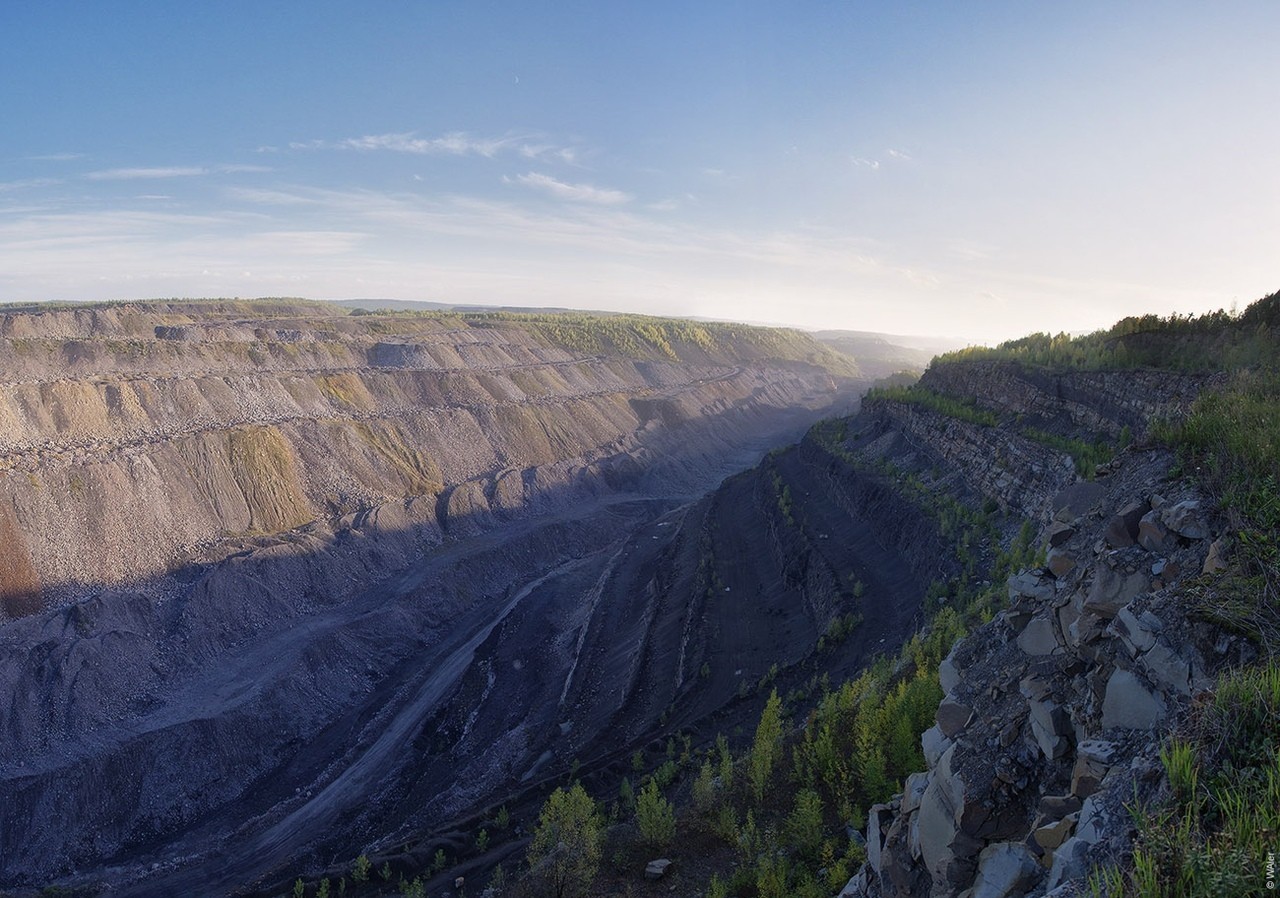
x=1153 y=535
x=939 y=813
x=1187 y=519
x=952 y=718
x=1113 y=589
x=1032 y=585
x=1060 y=562
x=1039 y=637
x=1130 y=705
x=1006 y=870
x=1027 y=794
x=1122 y=529
x=933 y=743
x=1051 y=727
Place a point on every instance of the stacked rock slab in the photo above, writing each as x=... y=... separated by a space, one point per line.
x=1054 y=711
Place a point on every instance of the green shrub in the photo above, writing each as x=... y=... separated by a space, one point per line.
x=655 y=817
x=564 y=853
x=766 y=746
x=1213 y=834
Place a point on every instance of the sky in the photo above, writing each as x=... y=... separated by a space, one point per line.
x=976 y=171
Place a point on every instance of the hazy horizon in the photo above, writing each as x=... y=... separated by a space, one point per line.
x=917 y=169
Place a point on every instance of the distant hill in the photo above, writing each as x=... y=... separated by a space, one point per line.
x=414 y=305
x=880 y=355
x=877 y=355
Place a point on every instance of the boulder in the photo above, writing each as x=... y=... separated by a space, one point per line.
x=1128 y=704
x=1186 y=519
x=879 y=819
x=1153 y=535
x=656 y=869
x=1122 y=529
x=1086 y=776
x=1113 y=589
x=1039 y=637
x=1060 y=562
x=1216 y=561
x=1005 y=870
x=1168 y=669
x=1051 y=728
x=1032 y=585
x=1070 y=861
x=1055 y=807
x=940 y=810
x=933 y=744
x=1137 y=635
x=1078 y=499
x=1093 y=822
x=1058 y=533
x=1098 y=750
x=948 y=673
x=1050 y=836
x=856 y=887
x=953 y=717
x=1086 y=628
x=913 y=791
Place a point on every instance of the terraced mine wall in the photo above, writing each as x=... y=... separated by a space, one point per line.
x=136 y=439
x=279 y=580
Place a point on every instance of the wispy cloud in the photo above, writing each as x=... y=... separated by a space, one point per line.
x=568 y=155
x=453 y=143
x=56 y=157
x=139 y=174
x=173 y=171
x=576 y=193
x=890 y=156
x=27 y=183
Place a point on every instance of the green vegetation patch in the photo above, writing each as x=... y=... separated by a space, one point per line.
x=1210 y=342
x=1213 y=833
x=935 y=402
x=421 y=475
x=671 y=339
x=263 y=464
x=1231 y=443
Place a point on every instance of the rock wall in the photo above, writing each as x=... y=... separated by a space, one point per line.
x=1054 y=711
x=135 y=439
x=1069 y=401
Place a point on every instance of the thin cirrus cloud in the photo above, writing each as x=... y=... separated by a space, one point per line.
x=576 y=193
x=453 y=143
x=172 y=171
x=891 y=155
x=141 y=174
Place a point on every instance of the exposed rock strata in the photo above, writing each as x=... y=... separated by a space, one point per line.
x=126 y=452
x=1054 y=711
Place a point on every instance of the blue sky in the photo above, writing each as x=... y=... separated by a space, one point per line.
x=969 y=170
